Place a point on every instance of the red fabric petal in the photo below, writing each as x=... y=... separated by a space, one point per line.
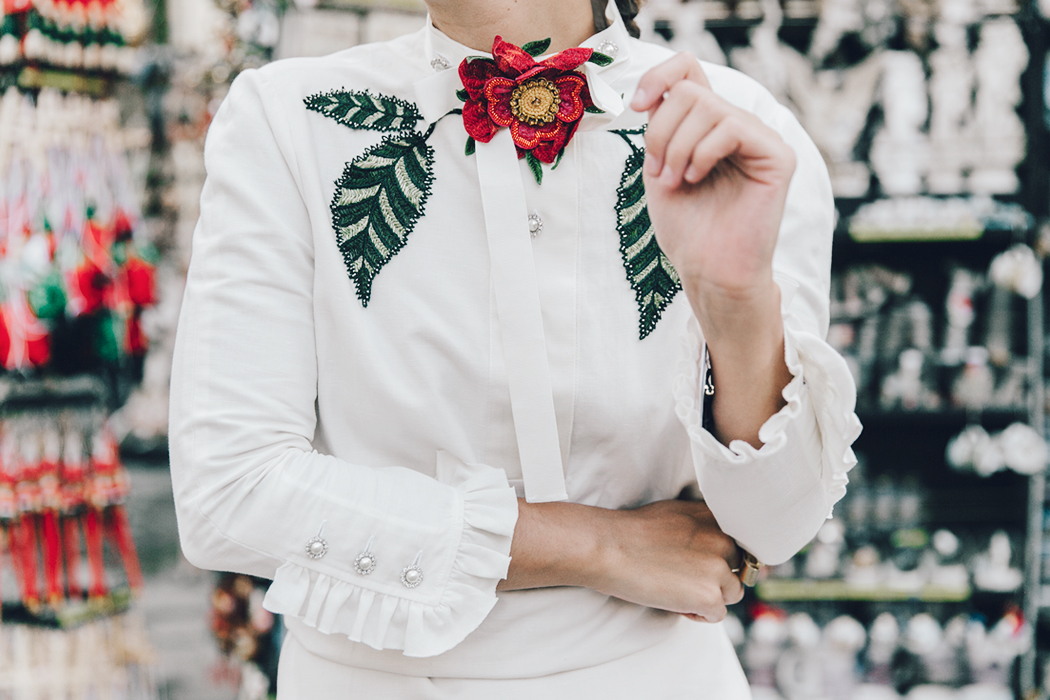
x=547 y=152
x=569 y=59
x=475 y=73
x=570 y=88
x=498 y=92
x=477 y=123
x=529 y=137
x=510 y=59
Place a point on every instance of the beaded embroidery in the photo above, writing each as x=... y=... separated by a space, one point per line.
x=382 y=193
x=650 y=274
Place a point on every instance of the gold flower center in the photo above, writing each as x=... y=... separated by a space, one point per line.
x=535 y=101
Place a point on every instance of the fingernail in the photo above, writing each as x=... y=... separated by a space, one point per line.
x=652 y=164
x=639 y=99
x=667 y=176
x=692 y=174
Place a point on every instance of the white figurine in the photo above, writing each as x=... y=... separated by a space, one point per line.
x=992 y=570
x=952 y=78
x=1000 y=59
x=900 y=151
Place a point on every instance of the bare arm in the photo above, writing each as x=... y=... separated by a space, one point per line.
x=669 y=555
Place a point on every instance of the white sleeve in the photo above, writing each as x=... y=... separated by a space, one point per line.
x=250 y=490
x=774 y=499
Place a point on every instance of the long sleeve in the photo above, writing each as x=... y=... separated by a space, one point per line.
x=773 y=500
x=250 y=490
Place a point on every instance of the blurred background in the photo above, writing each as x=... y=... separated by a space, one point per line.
x=931 y=582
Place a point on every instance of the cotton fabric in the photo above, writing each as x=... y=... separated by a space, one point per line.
x=297 y=412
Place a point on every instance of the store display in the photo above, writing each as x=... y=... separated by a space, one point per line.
x=95 y=35
x=70 y=263
x=107 y=658
x=886 y=333
x=791 y=657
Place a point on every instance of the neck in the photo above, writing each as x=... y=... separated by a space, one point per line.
x=475 y=23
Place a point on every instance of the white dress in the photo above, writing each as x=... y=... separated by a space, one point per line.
x=367 y=457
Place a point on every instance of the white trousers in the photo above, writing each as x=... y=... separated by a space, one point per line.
x=696 y=662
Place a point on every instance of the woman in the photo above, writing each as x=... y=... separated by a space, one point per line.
x=430 y=349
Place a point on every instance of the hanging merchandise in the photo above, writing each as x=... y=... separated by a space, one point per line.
x=70 y=269
x=106 y=658
x=91 y=35
x=62 y=490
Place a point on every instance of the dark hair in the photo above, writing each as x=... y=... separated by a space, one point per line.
x=628 y=11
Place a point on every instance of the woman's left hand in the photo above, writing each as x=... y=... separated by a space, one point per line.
x=716 y=180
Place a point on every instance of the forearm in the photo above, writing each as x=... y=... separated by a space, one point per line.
x=669 y=555
x=557 y=544
x=745 y=338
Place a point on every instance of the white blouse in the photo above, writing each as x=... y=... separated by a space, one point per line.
x=367 y=457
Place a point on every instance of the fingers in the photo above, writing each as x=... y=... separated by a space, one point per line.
x=658 y=80
x=686 y=116
x=691 y=130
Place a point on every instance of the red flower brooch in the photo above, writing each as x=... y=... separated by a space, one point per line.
x=541 y=102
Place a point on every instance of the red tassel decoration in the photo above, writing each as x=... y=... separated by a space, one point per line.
x=30 y=591
x=96 y=564
x=52 y=559
x=121 y=532
x=71 y=542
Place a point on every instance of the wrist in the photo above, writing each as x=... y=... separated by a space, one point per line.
x=560 y=544
x=736 y=317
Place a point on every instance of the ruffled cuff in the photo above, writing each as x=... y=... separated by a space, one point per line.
x=421 y=624
x=819 y=406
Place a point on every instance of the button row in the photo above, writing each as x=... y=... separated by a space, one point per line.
x=365 y=563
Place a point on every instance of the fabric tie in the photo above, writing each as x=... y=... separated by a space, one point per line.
x=521 y=321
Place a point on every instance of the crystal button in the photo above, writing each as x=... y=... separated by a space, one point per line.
x=535 y=224
x=316 y=548
x=411 y=576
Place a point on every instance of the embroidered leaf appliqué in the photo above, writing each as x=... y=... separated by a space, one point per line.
x=651 y=275
x=363 y=110
x=377 y=203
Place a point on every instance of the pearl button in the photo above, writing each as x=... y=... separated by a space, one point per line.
x=535 y=224
x=411 y=576
x=316 y=548
x=608 y=48
x=365 y=563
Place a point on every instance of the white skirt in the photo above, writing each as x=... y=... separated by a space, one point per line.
x=695 y=662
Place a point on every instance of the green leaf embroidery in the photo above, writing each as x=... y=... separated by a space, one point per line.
x=600 y=59
x=557 y=161
x=649 y=272
x=471 y=146
x=462 y=94
x=536 y=48
x=594 y=110
x=363 y=110
x=377 y=203
x=535 y=166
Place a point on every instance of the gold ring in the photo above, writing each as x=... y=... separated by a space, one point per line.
x=749 y=569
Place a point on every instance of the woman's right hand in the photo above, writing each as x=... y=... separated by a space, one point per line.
x=673 y=556
x=669 y=555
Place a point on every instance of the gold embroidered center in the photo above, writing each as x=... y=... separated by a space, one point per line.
x=535 y=101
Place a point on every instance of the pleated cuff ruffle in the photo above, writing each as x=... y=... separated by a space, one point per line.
x=817 y=370
x=383 y=620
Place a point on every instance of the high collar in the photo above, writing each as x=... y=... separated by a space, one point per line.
x=436 y=93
